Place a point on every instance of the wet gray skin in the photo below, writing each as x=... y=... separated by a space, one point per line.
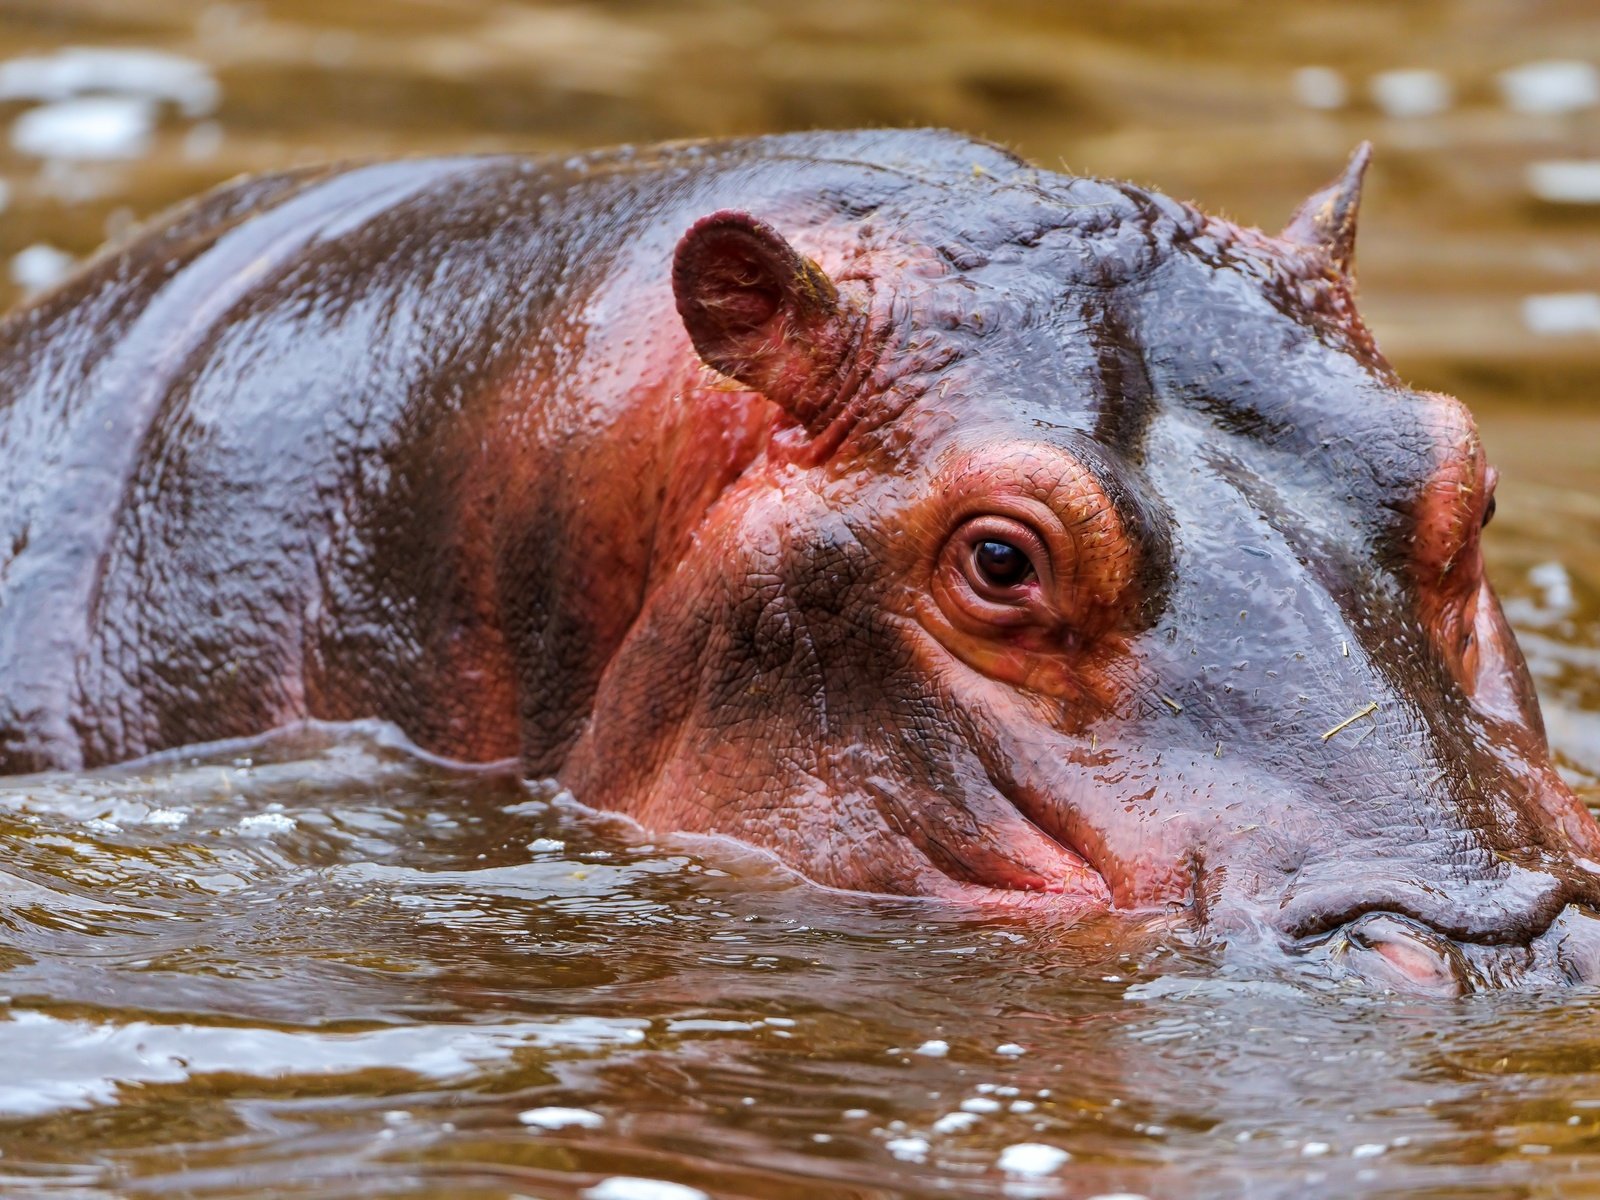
x=675 y=474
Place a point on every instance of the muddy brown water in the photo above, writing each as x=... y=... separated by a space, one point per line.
x=326 y=966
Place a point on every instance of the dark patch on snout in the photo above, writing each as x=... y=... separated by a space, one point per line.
x=1127 y=397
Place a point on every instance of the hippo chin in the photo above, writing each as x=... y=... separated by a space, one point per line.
x=942 y=525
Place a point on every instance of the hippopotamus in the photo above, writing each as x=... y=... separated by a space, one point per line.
x=940 y=525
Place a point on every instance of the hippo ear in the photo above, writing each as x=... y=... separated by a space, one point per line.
x=760 y=313
x=1327 y=221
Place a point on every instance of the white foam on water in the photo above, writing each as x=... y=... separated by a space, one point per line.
x=709 y=1025
x=49 y=1064
x=1562 y=314
x=1320 y=88
x=85 y=70
x=1032 y=1158
x=202 y=142
x=92 y=127
x=1551 y=87
x=1413 y=92
x=1552 y=579
x=1565 y=180
x=630 y=1187
x=908 y=1149
x=934 y=1048
x=956 y=1122
x=268 y=824
x=39 y=266
x=555 y=1117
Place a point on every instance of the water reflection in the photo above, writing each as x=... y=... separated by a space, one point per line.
x=391 y=983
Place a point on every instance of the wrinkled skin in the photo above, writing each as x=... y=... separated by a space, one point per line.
x=941 y=525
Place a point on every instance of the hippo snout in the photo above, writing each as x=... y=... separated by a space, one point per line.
x=1513 y=909
x=1394 y=951
x=1389 y=949
x=1389 y=929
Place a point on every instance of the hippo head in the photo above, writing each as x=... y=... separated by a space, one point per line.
x=1098 y=561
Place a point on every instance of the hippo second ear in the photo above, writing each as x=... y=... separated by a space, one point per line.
x=760 y=313
x=1327 y=222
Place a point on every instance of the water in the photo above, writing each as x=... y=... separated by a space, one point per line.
x=324 y=965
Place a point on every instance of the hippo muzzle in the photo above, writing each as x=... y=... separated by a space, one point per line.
x=1399 y=953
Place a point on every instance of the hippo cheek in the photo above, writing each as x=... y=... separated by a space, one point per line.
x=985 y=849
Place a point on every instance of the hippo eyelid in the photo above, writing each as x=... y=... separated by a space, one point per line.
x=1145 y=519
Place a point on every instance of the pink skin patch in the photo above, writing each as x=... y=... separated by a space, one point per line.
x=1043 y=631
x=1447 y=562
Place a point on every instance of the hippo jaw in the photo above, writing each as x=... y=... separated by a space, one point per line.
x=1249 y=676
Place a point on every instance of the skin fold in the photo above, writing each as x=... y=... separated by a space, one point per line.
x=941 y=525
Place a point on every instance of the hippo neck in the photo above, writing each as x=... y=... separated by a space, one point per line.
x=584 y=526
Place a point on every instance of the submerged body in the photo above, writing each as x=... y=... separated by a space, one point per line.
x=942 y=525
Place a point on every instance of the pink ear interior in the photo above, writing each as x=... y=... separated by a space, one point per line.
x=758 y=312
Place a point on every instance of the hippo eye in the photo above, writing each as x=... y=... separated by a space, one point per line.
x=997 y=569
x=1001 y=564
x=1488 y=512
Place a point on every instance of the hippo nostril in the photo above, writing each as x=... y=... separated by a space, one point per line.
x=1403 y=954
